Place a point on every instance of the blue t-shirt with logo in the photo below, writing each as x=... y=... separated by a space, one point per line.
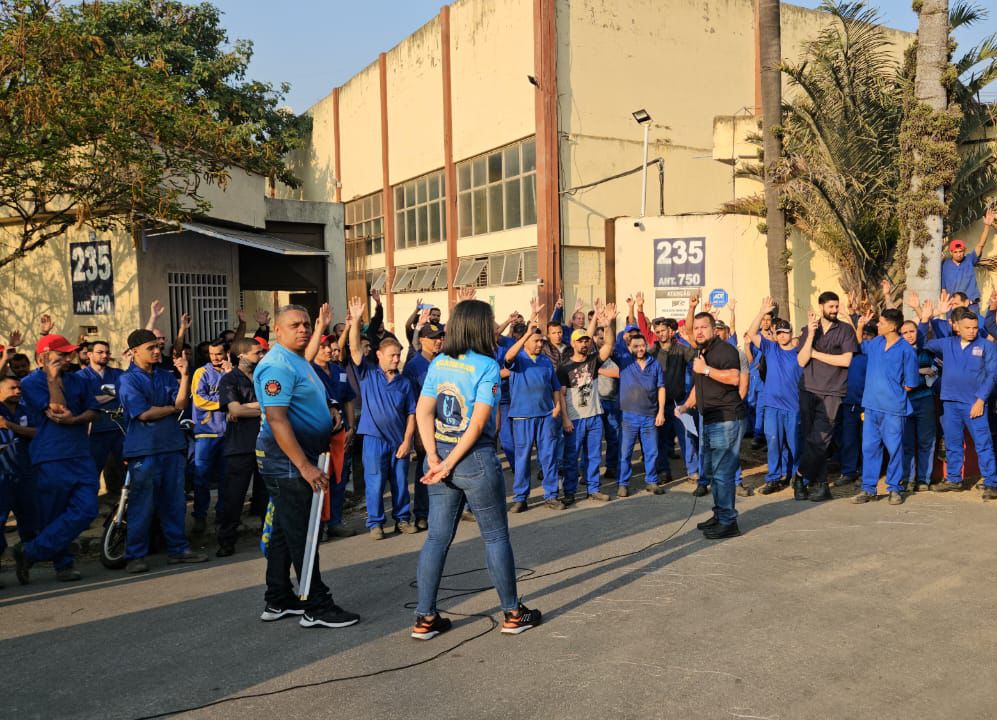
x=782 y=377
x=286 y=379
x=139 y=391
x=14 y=457
x=457 y=384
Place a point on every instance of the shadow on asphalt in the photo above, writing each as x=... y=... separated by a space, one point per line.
x=186 y=653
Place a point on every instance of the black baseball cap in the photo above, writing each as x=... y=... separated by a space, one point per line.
x=431 y=331
x=141 y=337
x=782 y=326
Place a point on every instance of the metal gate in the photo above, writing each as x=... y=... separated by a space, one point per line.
x=205 y=297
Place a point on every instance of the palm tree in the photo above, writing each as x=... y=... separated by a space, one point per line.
x=924 y=252
x=770 y=42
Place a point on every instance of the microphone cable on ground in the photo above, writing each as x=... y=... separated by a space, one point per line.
x=528 y=575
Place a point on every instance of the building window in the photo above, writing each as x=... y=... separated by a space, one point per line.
x=497 y=191
x=420 y=211
x=514 y=268
x=365 y=219
x=205 y=297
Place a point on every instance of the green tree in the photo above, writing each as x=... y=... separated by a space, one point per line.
x=115 y=112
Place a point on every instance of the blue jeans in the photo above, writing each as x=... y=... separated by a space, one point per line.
x=611 y=422
x=420 y=492
x=919 y=440
x=782 y=435
x=851 y=440
x=955 y=418
x=155 y=487
x=882 y=431
x=689 y=445
x=721 y=448
x=209 y=465
x=542 y=432
x=634 y=427
x=586 y=439
x=476 y=481
x=380 y=468
x=67 y=504
x=505 y=437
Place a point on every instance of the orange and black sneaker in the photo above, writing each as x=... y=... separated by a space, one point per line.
x=520 y=620
x=429 y=626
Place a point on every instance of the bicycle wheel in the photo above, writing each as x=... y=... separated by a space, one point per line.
x=112 y=545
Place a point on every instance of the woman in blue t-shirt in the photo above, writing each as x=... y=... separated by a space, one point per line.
x=456 y=421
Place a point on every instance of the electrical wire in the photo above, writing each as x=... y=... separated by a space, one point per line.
x=528 y=575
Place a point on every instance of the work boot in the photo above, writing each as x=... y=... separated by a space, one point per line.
x=569 y=499
x=623 y=491
x=554 y=504
x=757 y=442
x=770 y=487
x=800 y=491
x=405 y=527
x=137 y=565
x=68 y=574
x=519 y=506
x=599 y=497
x=820 y=492
x=721 y=532
x=744 y=491
x=946 y=486
x=701 y=490
x=225 y=551
x=863 y=497
x=187 y=558
x=656 y=489
x=896 y=498
x=989 y=493
x=421 y=524
x=377 y=533
x=843 y=480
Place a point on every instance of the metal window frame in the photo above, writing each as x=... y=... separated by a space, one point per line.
x=380 y=277
x=205 y=297
x=403 y=281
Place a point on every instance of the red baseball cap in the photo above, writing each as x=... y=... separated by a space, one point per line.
x=957 y=245
x=263 y=342
x=56 y=343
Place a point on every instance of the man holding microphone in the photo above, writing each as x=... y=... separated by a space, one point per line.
x=295 y=430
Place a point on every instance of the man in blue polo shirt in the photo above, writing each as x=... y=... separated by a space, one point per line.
x=387 y=426
x=970 y=364
x=890 y=375
x=60 y=406
x=779 y=401
x=155 y=447
x=642 y=403
x=294 y=431
x=430 y=342
x=534 y=413
x=959 y=271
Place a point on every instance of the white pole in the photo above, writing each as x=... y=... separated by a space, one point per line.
x=311 y=541
x=643 y=184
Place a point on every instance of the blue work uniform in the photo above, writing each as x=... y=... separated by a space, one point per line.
x=106 y=432
x=961 y=277
x=156 y=453
x=851 y=417
x=506 y=440
x=970 y=373
x=388 y=404
x=65 y=478
x=338 y=392
x=891 y=370
x=415 y=370
x=779 y=404
x=209 y=439
x=639 y=407
x=532 y=384
x=919 y=429
x=17 y=481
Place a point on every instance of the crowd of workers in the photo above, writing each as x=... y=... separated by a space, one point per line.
x=863 y=386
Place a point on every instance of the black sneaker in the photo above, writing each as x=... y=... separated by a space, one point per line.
x=426 y=629
x=712 y=522
x=770 y=487
x=225 y=551
x=721 y=532
x=69 y=574
x=701 y=490
x=272 y=612
x=22 y=567
x=520 y=620
x=331 y=616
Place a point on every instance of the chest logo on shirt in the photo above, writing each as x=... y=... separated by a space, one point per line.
x=451 y=410
x=977 y=351
x=271 y=388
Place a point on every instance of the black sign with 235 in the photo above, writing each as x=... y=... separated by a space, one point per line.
x=92 y=277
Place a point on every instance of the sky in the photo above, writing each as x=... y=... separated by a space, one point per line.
x=317 y=45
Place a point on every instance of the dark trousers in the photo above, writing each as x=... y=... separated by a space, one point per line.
x=818 y=415
x=292 y=499
x=240 y=472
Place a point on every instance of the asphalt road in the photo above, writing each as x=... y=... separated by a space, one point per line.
x=826 y=610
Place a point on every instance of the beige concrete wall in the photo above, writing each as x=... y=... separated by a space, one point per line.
x=360 y=133
x=40 y=284
x=491 y=55
x=735 y=261
x=315 y=163
x=240 y=201
x=415 y=82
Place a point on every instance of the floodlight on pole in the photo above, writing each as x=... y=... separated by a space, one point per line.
x=643 y=118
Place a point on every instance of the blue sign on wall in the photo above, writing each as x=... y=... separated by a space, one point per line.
x=679 y=262
x=718 y=298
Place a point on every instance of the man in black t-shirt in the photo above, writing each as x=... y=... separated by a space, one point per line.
x=826 y=349
x=237 y=398
x=715 y=393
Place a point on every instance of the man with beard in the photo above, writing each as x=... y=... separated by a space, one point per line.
x=716 y=394
x=825 y=354
x=237 y=399
x=60 y=407
x=106 y=436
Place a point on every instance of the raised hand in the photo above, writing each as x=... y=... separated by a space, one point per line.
x=926 y=311
x=262 y=317
x=579 y=305
x=708 y=307
x=180 y=363
x=639 y=299
x=993 y=300
x=324 y=317
x=376 y=296
x=15 y=338
x=424 y=316
x=866 y=318
x=990 y=217
x=226 y=365
x=241 y=314
x=560 y=300
x=356 y=306
x=608 y=313
x=694 y=299
x=812 y=320
x=913 y=300
x=466 y=293
x=887 y=287
x=185 y=321
x=767 y=306
x=45 y=323
x=630 y=301
x=156 y=310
